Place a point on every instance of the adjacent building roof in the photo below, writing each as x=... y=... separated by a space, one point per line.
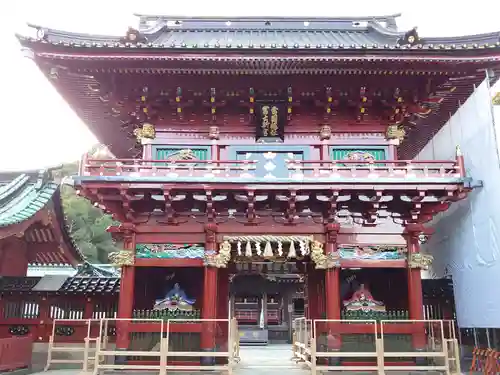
x=23 y=197
x=30 y=203
x=51 y=284
x=85 y=269
x=264 y=33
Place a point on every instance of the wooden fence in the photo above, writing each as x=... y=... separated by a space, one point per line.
x=15 y=352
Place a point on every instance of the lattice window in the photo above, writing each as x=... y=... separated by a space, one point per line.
x=349 y=153
x=163 y=153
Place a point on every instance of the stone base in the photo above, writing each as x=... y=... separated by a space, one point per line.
x=207 y=361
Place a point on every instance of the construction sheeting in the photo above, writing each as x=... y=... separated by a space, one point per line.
x=50 y=283
x=466 y=243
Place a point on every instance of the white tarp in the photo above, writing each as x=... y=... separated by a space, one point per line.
x=466 y=243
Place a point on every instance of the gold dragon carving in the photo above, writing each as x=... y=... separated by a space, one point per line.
x=122 y=258
x=321 y=260
x=220 y=259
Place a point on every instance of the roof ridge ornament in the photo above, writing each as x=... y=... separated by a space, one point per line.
x=410 y=38
x=133 y=36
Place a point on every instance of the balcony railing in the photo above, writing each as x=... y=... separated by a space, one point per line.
x=298 y=170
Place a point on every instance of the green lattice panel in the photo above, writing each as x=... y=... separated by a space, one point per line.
x=341 y=153
x=162 y=153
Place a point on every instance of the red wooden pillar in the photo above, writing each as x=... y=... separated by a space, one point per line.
x=209 y=308
x=312 y=293
x=223 y=303
x=332 y=288
x=415 y=297
x=126 y=297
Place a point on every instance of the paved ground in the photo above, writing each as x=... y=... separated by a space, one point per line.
x=270 y=360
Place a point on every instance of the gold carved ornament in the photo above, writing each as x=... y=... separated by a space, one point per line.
x=395 y=132
x=122 y=258
x=323 y=261
x=269 y=123
x=496 y=99
x=147 y=131
x=265 y=120
x=419 y=260
x=273 y=128
x=220 y=259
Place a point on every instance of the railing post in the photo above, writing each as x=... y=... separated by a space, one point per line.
x=460 y=162
x=379 y=348
x=83 y=164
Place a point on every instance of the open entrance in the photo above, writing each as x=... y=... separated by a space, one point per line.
x=265 y=298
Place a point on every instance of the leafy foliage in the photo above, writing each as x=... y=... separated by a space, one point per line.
x=86 y=224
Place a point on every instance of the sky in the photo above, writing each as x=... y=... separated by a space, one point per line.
x=38 y=129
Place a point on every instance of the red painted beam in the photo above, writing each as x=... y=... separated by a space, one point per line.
x=146 y=262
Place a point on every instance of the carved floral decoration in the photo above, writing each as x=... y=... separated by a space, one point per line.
x=372 y=252
x=170 y=251
x=362 y=156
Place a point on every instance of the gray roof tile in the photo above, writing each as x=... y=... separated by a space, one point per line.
x=202 y=33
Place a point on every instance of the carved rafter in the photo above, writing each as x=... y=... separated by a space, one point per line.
x=254 y=207
x=168 y=209
x=126 y=200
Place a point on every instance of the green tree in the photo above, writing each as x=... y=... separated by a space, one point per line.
x=87 y=226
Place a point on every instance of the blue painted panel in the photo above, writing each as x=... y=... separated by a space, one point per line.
x=271 y=159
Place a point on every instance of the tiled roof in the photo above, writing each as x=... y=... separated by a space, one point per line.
x=251 y=34
x=76 y=284
x=23 y=197
x=86 y=285
x=18 y=284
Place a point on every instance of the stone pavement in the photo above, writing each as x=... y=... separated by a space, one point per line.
x=257 y=360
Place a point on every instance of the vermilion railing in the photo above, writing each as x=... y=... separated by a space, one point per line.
x=15 y=352
x=298 y=169
x=372 y=169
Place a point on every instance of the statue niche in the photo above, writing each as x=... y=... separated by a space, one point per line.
x=175 y=299
x=362 y=300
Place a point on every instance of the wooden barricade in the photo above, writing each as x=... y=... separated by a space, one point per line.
x=432 y=341
x=302 y=339
x=228 y=350
x=225 y=352
x=235 y=339
x=87 y=351
x=332 y=331
x=101 y=353
x=486 y=361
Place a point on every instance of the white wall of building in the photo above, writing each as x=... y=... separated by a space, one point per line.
x=466 y=243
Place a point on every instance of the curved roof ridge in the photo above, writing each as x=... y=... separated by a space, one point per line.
x=375 y=25
x=26 y=204
x=480 y=38
x=268 y=18
x=75 y=35
x=13 y=186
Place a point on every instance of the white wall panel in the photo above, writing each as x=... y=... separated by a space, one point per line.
x=466 y=243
